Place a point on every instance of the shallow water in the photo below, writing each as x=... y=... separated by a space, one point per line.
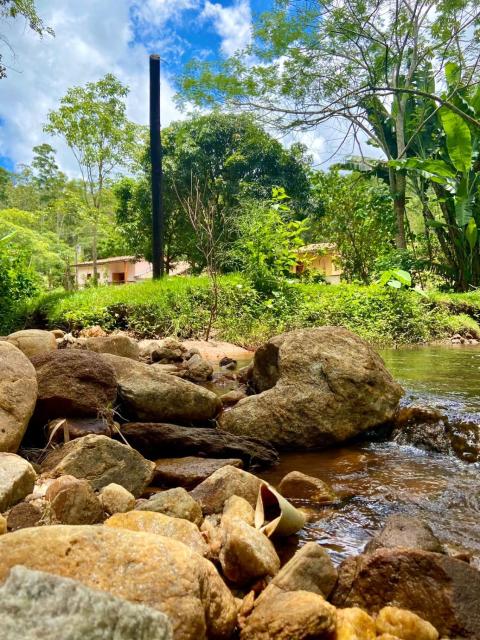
x=375 y=480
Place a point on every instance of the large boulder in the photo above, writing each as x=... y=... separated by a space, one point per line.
x=142 y=568
x=406 y=532
x=73 y=384
x=149 y=394
x=155 y=440
x=33 y=342
x=17 y=478
x=441 y=590
x=118 y=344
x=35 y=604
x=226 y=482
x=190 y=471
x=101 y=461
x=18 y=395
x=316 y=387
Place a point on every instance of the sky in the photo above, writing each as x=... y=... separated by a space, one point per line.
x=95 y=37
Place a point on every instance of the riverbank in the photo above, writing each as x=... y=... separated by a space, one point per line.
x=180 y=307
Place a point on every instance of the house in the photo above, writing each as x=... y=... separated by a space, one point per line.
x=322 y=257
x=121 y=270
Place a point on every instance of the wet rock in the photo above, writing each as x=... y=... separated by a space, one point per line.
x=155 y=440
x=228 y=363
x=162 y=525
x=73 y=501
x=232 y=397
x=101 y=460
x=140 y=567
x=23 y=515
x=198 y=370
x=236 y=507
x=190 y=471
x=17 y=479
x=310 y=569
x=117 y=344
x=73 y=384
x=151 y=395
x=177 y=503
x=407 y=532
x=300 y=486
x=439 y=589
x=18 y=395
x=404 y=624
x=116 y=499
x=228 y=481
x=62 y=430
x=35 y=604
x=33 y=342
x=295 y=615
x=355 y=624
x=317 y=387
x=246 y=554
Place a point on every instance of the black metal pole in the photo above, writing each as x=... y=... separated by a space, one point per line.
x=156 y=160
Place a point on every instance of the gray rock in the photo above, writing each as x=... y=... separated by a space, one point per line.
x=17 y=478
x=33 y=342
x=405 y=532
x=35 y=604
x=118 y=344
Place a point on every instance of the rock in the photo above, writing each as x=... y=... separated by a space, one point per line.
x=355 y=624
x=228 y=481
x=18 y=395
x=116 y=499
x=190 y=471
x=177 y=503
x=77 y=428
x=310 y=569
x=404 y=624
x=232 y=397
x=17 y=479
x=57 y=333
x=300 y=486
x=407 y=532
x=162 y=525
x=23 y=515
x=35 y=604
x=198 y=370
x=151 y=395
x=118 y=344
x=236 y=507
x=33 y=342
x=92 y=332
x=140 y=567
x=155 y=440
x=101 y=460
x=228 y=363
x=295 y=615
x=439 y=589
x=73 y=501
x=3 y=525
x=215 y=350
x=73 y=384
x=246 y=554
x=317 y=387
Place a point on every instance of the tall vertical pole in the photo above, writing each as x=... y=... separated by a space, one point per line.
x=156 y=161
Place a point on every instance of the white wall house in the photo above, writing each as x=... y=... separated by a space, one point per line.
x=121 y=270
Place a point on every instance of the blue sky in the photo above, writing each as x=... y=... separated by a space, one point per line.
x=94 y=37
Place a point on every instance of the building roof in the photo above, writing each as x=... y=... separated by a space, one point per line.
x=107 y=260
x=317 y=247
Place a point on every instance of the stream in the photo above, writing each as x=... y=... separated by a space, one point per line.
x=377 y=479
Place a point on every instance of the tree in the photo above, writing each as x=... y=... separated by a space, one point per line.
x=48 y=178
x=11 y=9
x=361 y=62
x=92 y=120
x=232 y=157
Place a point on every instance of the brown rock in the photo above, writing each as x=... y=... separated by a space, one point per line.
x=73 y=384
x=232 y=397
x=407 y=532
x=155 y=440
x=140 y=567
x=197 y=369
x=77 y=428
x=73 y=501
x=17 y=479
x=177 y=503
x=101 y=461
x=18 y=395
x=162 y=525
x=228 y=481
x=190 y=471
x=3 y=525
x=355 y=624
x=92 y=332
x=300 y=486
x=117 y=344
x=116 y=499
x=404 y=624
x=33 y=342
x=23 y=515
x=236 y=507
x=317 y=387
x=439 y=589
x=295 y=615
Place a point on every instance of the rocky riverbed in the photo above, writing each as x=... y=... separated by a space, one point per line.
x=132 y=505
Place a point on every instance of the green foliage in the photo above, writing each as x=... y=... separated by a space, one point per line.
x=396 y=278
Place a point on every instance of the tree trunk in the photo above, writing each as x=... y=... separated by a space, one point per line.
x=94 y=252
x=398 y=187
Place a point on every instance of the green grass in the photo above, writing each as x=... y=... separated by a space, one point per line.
x=179 y=306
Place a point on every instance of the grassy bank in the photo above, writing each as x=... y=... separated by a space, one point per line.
x=180 y=306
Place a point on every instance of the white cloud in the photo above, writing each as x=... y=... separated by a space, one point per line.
x=233 y=24
x=92 y=39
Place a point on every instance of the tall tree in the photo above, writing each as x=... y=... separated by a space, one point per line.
x=362 y=62
x=93 y=122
